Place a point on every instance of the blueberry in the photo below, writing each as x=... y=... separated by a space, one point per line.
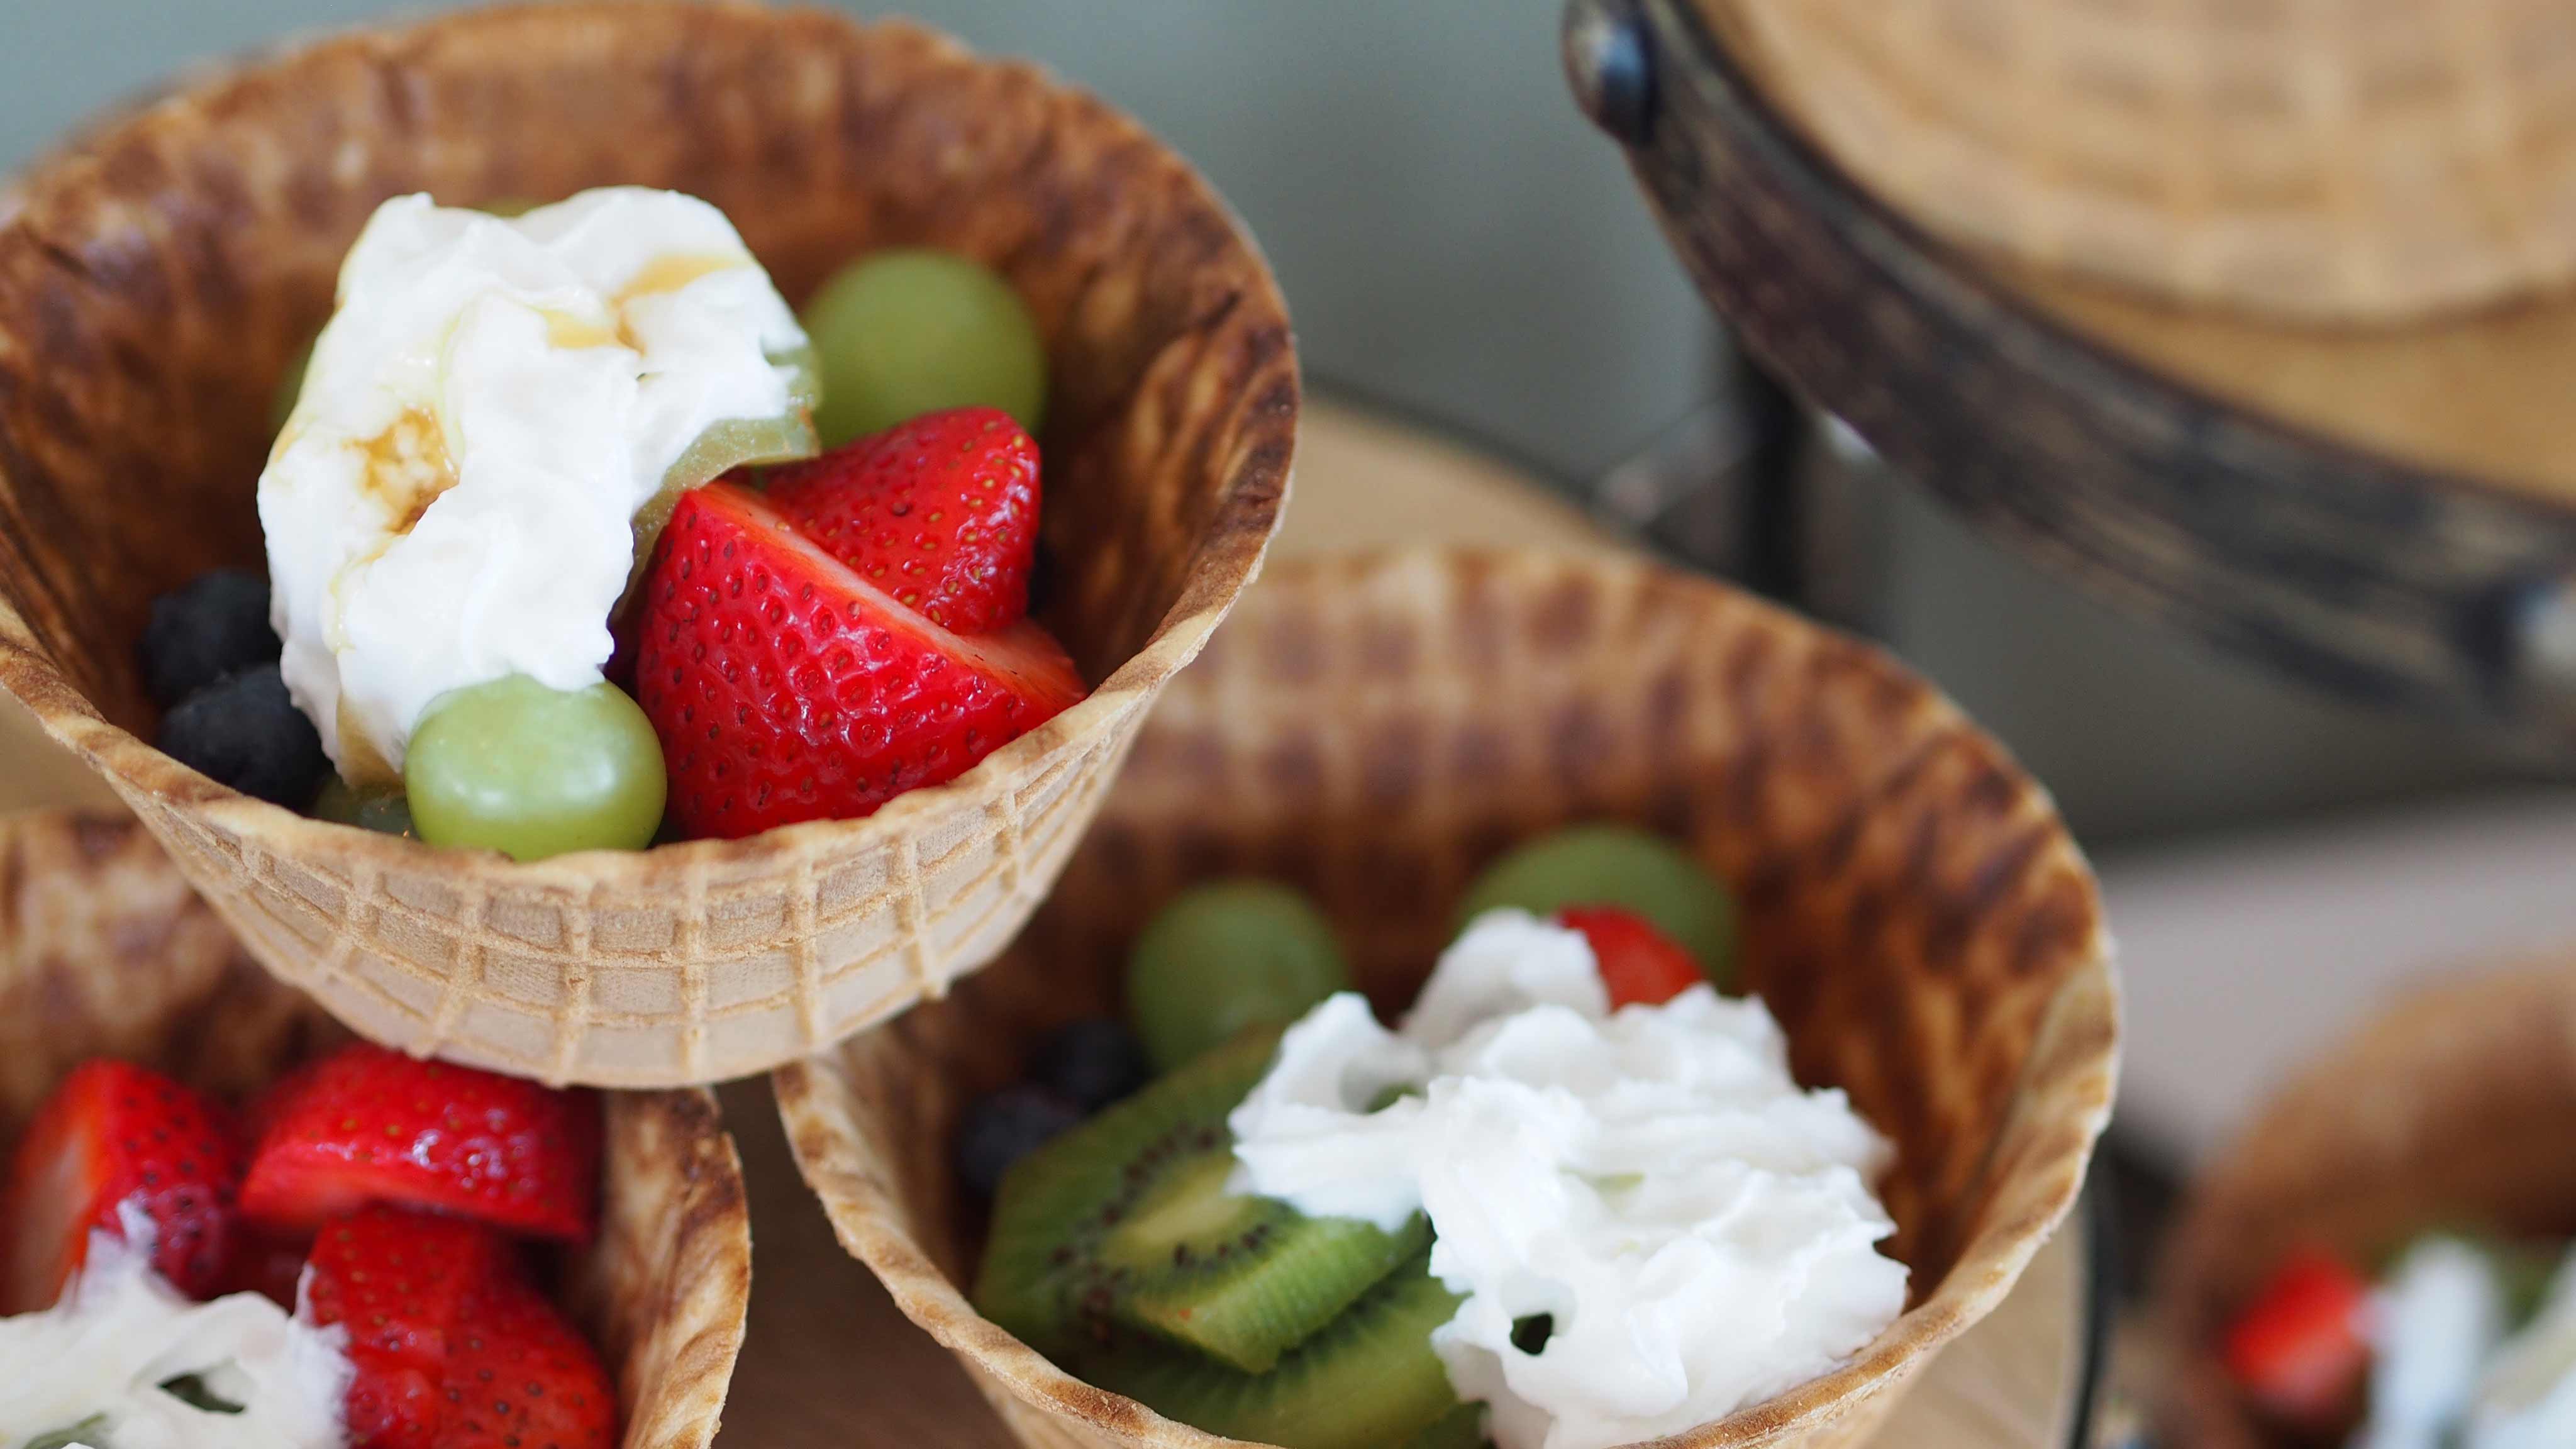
x=1002 y=1127
x=216 y=625
x=1091 y=1063
x=245 y=731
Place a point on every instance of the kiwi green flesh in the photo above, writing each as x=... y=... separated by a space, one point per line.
x=1122 y=1227
x=1461 y=1428
x=1369 y=1379
x=1241 y=1279
x=730 y=444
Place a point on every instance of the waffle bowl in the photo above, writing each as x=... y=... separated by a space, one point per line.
x=2354 y=162
x=156 y=276
x=104 y=951
x=1374 y=729
x=2451 y=1109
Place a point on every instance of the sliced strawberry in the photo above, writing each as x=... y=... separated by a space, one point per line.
x=941 y=512
x=113 y=1135
x=370 y=1125
x=1637 y=962
x=2298 y=1349
x=400 y=1282
x=785 y=688
x=268 y=1264
x=519 y=1376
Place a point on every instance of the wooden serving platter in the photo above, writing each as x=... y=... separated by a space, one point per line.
x=2391 y=514
x=831 y=1363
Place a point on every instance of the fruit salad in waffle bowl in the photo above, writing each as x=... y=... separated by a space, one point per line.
x=2385 y=1257
x=1605 y=1010
x=225 y=1221
x=656 y=521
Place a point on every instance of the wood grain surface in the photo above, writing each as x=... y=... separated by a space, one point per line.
x=831 y=1364
x=2374 y=514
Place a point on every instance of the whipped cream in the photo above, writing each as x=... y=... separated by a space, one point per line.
x=1699 y=1229
x=99 y=1357
x=453 y=498
x=2445 y=1373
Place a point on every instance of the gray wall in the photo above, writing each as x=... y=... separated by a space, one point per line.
x=1455 y=241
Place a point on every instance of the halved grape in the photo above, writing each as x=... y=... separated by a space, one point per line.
x=1225 y=956
x=290 y=387
x=529 y=771
x=902 y=333
x=1615 y=865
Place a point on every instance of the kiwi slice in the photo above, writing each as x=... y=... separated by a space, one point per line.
x=1123 y=1225
x=1369 y=1379
x=1461 y=1428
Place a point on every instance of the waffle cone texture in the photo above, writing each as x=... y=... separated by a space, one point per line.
x=2450 y=1110
x=104 y=951
x=2348 y=161
x=156 y=276
x=1377 y=729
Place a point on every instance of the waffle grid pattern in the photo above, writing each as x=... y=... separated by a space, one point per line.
x=2365 y=160
x=105 y=951
x=425 y=978
x=211 y=220
x=1380 y=728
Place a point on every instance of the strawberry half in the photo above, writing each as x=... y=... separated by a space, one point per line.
x=114 y=1134
x=519 y=1376
x=2298 y=1349
x=369 y=1125
x=940 y=512
x=785 y=688
x=1638 y=963
x=400 y=1282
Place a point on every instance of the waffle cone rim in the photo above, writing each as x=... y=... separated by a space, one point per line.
x=815 y=1100
x=1227 y=559
x=699 y=1266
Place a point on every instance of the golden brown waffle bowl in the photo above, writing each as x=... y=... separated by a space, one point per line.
x=2449 y=1110
x=104 y=951
x=2345 y=162
x=156 y=277
x=1375 y=730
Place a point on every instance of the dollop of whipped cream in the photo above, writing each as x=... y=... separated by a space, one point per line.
x=453 y=498
x=96 y=1361
x=1699 y=1229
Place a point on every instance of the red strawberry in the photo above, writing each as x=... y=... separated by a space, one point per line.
x=1637 y=962
x=114 y=1134
x=785 y=688
x=370 y=1125
x=941 y=512
x=269 y=1264
x=519 y=1376
x=2297 y=1349
x=401 y=1282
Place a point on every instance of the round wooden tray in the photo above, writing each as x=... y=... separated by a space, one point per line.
x=2391 y=514
x=831 y=1362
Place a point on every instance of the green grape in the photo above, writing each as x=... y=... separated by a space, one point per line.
x=530 y=771
x=369 y=809
x=1225 y=956
x=289 y=388
x=1614 y=865
x=902 y=333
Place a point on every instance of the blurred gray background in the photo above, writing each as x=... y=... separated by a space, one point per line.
x=1458 y=245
